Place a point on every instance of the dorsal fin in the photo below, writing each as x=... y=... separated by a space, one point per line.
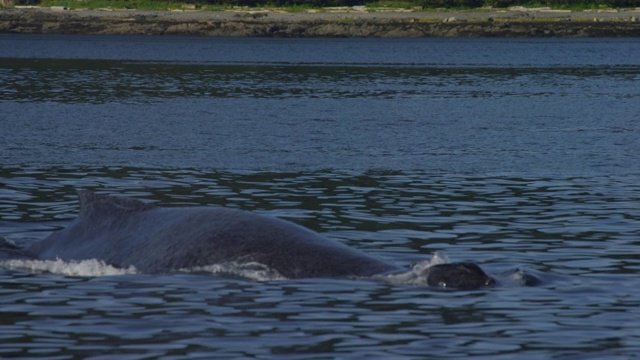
x=92 y=204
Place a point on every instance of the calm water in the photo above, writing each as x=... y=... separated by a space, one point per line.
x=515 y=154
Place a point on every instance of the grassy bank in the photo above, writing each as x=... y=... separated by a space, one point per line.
x=124 y=4
x=301 y=5
x=442 y=23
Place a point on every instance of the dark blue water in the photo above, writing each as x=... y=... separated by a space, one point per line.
x=515 y=154
x=487 y=106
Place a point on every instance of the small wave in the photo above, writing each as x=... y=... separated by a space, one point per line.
x=518 y=277
x=250 y=270
x=90 y=267
x=418 y=273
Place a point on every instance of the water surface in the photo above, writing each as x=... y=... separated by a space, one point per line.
x=515 y=154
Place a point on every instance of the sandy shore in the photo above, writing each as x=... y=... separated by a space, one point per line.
x=338 y=23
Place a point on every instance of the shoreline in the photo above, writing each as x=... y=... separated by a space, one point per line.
x=515 y=22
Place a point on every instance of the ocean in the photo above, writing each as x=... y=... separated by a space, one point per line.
x=518 y=154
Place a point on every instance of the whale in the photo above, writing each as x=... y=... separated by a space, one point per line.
x=126 y=232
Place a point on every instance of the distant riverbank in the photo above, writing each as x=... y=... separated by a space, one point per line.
x=518 y=22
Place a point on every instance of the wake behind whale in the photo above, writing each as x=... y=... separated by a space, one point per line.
x=126 y=233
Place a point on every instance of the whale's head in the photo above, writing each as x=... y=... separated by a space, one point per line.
x=438 y=272
x=458 y=275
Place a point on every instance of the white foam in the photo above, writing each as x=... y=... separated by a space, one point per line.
x=94 y=267
x=249 y=270
x=418 y=273
x=90 y=267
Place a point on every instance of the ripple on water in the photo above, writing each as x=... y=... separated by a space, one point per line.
x=578 y=236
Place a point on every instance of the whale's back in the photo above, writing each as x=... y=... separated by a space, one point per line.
x=127 y=232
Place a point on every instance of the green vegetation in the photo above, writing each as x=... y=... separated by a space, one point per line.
x=391 y=4
x=113 y=4
x=297 y=5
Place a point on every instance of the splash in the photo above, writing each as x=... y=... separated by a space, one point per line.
x=93 y=267
x=90 y=267
x=249 y=270
x=418 y=273
x=518 y=277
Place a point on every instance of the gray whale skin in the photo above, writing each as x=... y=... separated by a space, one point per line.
x=127 y=232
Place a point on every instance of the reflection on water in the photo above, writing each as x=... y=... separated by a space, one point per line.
x=475 y=114
x=104 y=81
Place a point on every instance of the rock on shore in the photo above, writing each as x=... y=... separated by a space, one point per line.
x=513 y=23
